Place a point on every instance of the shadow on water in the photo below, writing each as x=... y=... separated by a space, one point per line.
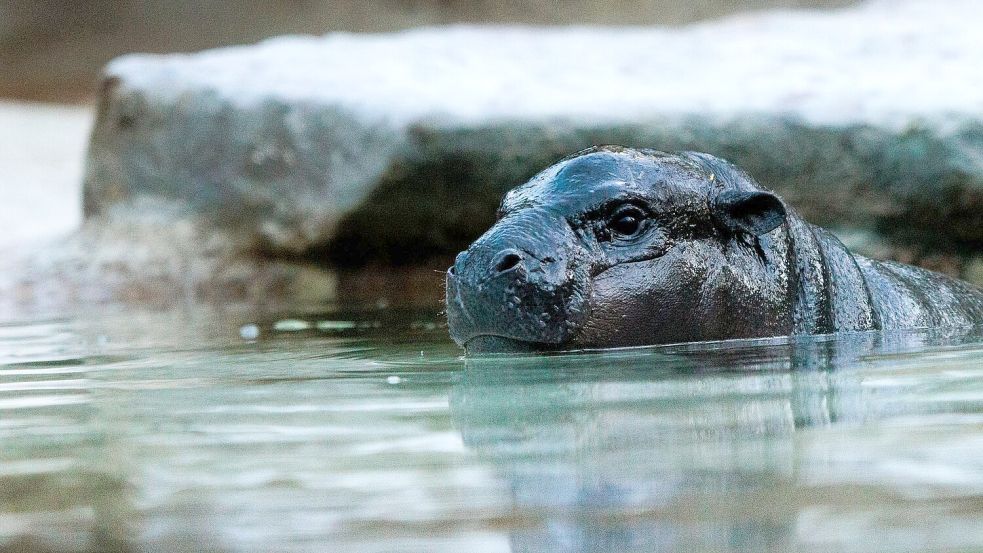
x=730 y=446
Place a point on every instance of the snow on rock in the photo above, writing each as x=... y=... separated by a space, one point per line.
x=398 y=146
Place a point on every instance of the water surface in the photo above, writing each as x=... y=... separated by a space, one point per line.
x=365 y=430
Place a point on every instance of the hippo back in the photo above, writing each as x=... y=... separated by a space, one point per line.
x=833 y=290
x=910 y=297
x=832 y=294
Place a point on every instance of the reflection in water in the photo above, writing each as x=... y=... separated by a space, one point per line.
x=724 y=447
x=366 y=431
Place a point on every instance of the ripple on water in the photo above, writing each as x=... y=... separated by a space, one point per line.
x=358 y=438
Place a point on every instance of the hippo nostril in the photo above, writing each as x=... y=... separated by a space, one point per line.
x=507 y=260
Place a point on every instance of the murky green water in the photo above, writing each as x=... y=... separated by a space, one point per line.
x=370 y=433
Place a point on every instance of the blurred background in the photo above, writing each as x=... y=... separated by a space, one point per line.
x=809 y=115
x=52 y=50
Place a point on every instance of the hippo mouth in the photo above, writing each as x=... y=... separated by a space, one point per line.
x=492 y=327
x=493 y=343
x=521 y=287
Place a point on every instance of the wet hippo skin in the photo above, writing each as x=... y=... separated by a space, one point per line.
x=617 y=247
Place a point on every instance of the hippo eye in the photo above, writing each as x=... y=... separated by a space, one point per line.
x=627 y=221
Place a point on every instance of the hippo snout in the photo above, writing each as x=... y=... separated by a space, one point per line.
x=514 y=290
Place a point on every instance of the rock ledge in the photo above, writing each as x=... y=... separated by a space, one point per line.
x=396 y=147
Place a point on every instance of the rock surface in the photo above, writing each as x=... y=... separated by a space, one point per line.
x=397 y=147
x=149 y=257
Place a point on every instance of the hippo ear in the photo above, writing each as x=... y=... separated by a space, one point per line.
x=753 y=212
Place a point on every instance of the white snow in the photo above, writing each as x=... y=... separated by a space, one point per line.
x=886 y=62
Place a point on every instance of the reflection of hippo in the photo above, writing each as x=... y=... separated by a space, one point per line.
x=621 y=247
x=718 y=446
x=611 y=451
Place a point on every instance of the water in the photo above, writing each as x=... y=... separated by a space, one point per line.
x=366 y=431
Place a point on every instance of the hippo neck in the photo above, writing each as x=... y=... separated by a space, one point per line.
x=831 y=294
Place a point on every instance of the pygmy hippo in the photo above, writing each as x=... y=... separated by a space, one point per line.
x=619 y=247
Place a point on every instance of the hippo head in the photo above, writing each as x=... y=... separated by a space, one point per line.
x=619 y=247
